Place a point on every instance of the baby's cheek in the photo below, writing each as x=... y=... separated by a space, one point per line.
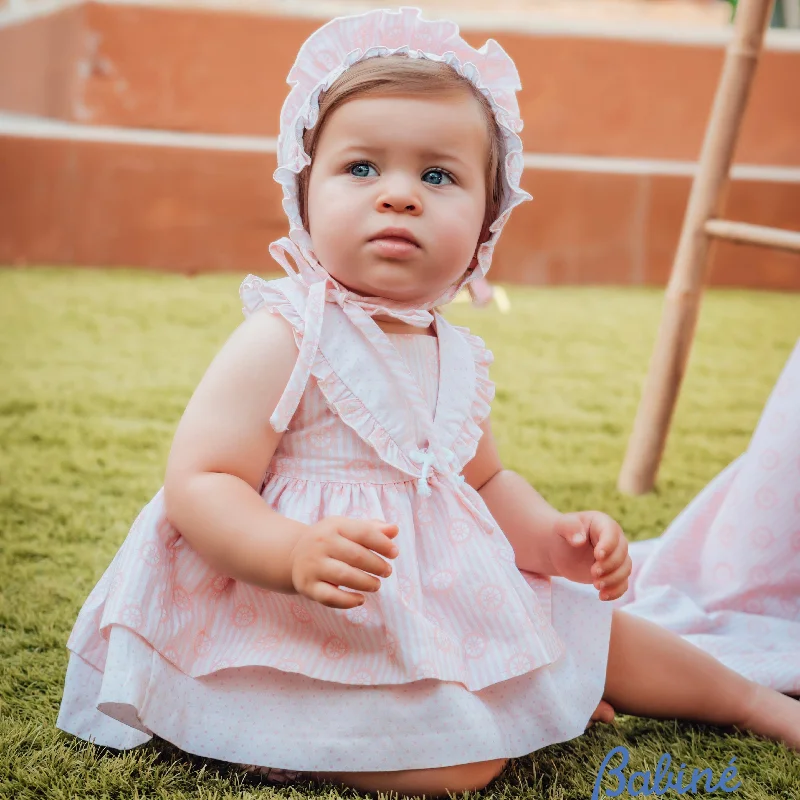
x=334 y=212
x=335 y=239
x=453 y=248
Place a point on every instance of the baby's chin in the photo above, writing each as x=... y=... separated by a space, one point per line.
x=398 y=294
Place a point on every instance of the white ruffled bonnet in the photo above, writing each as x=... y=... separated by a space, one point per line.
x=339 y=44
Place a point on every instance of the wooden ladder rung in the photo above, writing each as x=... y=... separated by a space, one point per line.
x=745 y=233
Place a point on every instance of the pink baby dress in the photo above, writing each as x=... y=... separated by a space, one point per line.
x=460 y=656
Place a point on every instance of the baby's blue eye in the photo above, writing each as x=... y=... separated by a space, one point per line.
x=363 y=170
x=442 y=178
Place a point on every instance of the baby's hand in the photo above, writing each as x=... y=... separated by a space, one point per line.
x=340 y=551
x=590 y=547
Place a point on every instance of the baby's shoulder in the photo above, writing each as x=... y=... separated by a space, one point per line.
x=255 y=361
x=267 y=331
x=273 y=313
x=263 y=349
x=257 y=358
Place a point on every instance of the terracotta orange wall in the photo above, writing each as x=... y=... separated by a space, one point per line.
x=40 y=64
x=98 y=203
x=202 y=70
x=193 y=210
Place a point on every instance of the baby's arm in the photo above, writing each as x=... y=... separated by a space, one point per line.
x=539 y=534
x=221 y=451
x=525 y=517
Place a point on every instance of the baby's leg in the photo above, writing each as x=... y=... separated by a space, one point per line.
x=653 y=672
x=434 y=782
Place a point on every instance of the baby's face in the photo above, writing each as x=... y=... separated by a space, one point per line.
x=413 y=162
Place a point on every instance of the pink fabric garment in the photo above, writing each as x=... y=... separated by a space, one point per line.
x=726 y=574
x=462 y=656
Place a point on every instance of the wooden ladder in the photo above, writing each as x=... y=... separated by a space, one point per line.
x=700 y=226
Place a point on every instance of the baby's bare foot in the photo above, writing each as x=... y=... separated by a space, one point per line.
x=603 y=713
x=775 y=716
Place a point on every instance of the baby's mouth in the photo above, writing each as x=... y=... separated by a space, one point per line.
x=395 y=233
x=393 y=246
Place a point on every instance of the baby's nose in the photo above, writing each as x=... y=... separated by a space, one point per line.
x=398 y=194
x=398 y=206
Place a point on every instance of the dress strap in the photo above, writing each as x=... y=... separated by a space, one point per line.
x=290 y=399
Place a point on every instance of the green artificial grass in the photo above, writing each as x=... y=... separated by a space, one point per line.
x=97 y=367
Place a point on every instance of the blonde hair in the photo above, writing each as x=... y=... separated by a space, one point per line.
x=399 y=74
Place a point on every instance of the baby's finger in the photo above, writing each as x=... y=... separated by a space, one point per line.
x=612 y=582
x=389 y=528
x=615 y=576
x=359 y=575
x=374 y=534
x=614 y=592
x=610 y=534
x=329 y=595
x=570 y=528
x=607 y=565
x=361 y=557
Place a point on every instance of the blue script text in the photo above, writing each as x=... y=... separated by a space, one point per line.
x=647 y=784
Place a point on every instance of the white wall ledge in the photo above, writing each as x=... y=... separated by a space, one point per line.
x=29 y=127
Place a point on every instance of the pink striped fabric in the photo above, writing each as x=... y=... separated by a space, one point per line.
x=457 y=623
